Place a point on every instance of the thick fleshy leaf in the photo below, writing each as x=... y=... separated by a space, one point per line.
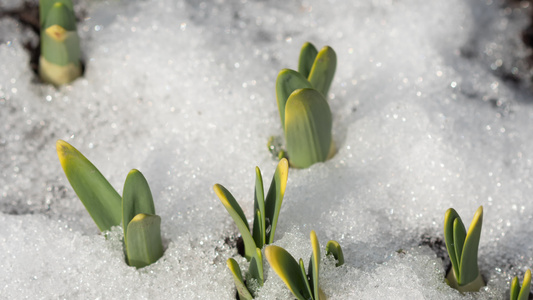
x=468 y=266
x=526 y=287
x=334 y=248
x=61 y=15
x=236 y=213
x=46 y=5
x=308 y=126
x=256 y=267
x=323 y=70
x=304 y=277
x=242 y=290
x=144 y=245
x=449 y=219
x=259 y=208
x=274 y=198
x=288 y=270
x=307 y=58
x=515 y=289
x=314 y=265
x=98 y=196
x=60 y=47
x=459 y=236
x=136 y=199
x=287 y=82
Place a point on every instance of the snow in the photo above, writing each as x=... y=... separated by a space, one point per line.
x=425 y=118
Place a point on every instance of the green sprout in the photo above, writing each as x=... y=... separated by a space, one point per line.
x=518 y=293
x=303 y=285
x=59 y=62
x=266 y=212
x=462 y=248
x=135 y=209
x=304 y=111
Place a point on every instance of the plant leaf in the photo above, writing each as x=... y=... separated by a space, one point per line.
x=307 y=58
x=144 y=245
x=46 y=5
x=308 y=126
x=314 y=264
x=450 y=216
x=515 y=289
x=62 y=15
x=305 y=279
x=274 y=198
x=136 y=199
x=287 y=82
x=243 y=291
x=259 y=208
x=288 y=270
x=526 y=286
x=459 y=236
x=98 y=196
x=238 y=217
x=256 y=267
x=323 y=70
x=468 y=265
x=334 y=248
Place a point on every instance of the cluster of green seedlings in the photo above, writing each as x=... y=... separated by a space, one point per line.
x=307 y=124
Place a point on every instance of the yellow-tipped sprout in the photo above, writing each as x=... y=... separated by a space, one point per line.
x=304 y=112
x=59 y=62
x=521 y=293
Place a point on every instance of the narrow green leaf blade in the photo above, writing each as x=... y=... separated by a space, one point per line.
x=307 y=58
x=238 y=217
x=450 y=216
x=459 y=236
x=314 y=264
x=256 y=267
x=468 y=266
x=304 y=278
x=136 y=199
x=274 y=198
x=144 y=245
x=334 y=248
x=526 y=286
x=233 y=266
x=259 y=207
x=288 y=270
x=515 y=289
x=98 y=196
x=323 y=70
x=287 y=82
x=308 y=126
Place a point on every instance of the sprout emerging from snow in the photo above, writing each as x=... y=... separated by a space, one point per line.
x=266 y=212
x=59 y=62
x=463 y=249
x=303 y=109
x=521 y=293
x=135 y=209
x=302 y=285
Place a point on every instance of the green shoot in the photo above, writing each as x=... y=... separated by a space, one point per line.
x=521 y=293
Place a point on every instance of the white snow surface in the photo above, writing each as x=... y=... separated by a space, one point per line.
x=424 y=120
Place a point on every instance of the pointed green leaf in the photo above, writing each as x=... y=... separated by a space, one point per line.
x=259 y=208
x=334 y=248
x=46 y=5
x=449 y=219
x=526 y=286
x=459 y=236
x=305 y=279
x=314 y=264
x=98 y=196
x=515 y=289
x=308 y=126
x=233 y=266
x=274 y=199
x=144 y=245
x=287 y=82
x=288 y=270
x=307 y=58
x=468 y=264
x=256 y=267
x=238 y=217
x=61 y=15
x=323 y=70
x=136 y=199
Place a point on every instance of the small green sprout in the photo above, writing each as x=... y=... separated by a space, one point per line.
x=462 y=248
x=304 y=112
x=266 y=212
x=518 y=293
x=135 y=209
x=303 y=285
x=59 y=62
